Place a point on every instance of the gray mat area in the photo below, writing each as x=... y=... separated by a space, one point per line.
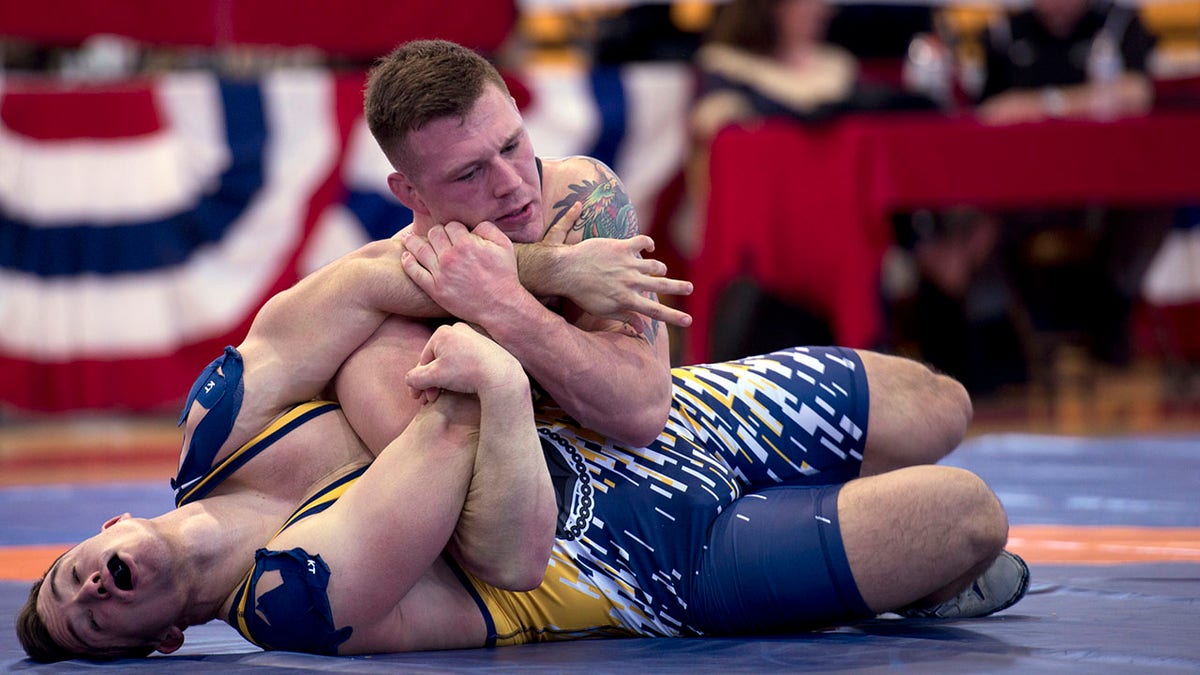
x=1142 y=618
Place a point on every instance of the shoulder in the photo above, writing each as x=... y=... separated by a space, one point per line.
x=607 y=211
x=561 y=172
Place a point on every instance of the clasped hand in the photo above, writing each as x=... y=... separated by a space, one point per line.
x=458 y=358
x=468 y=273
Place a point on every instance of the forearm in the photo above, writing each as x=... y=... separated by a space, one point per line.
x=397 y=518
x=607 y=278
x=614 y=382
x=539 y=267
x=303 y=335
x=1132 y=94
x=507 y=526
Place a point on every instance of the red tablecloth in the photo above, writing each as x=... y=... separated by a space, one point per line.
x=803 y=210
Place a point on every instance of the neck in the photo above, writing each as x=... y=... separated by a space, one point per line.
x=421 y=224
x=798 y=55
x=216 y=539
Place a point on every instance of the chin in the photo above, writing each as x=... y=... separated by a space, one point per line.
x=532 y=232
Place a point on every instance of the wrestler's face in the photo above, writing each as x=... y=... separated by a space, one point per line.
x=477 y=168
x=114 y=591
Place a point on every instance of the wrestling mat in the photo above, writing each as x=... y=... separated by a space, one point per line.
x=1110 y=527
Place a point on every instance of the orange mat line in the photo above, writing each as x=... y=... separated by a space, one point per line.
x=1044 y=544
x=28 y=563
x=1061 y=544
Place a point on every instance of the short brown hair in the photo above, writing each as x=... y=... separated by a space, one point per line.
x=419 y=82
x=41 y=646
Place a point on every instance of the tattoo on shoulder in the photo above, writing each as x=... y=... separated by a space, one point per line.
x=652 y=334
x=645 y=327
x=606 y=208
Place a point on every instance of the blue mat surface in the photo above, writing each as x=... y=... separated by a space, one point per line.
x=1126 y=618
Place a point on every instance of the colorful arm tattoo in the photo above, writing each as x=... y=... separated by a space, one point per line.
x=608 y=213
x=606 y=208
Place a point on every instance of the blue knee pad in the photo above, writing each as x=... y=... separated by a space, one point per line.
x=295 y=615
x=775 y=563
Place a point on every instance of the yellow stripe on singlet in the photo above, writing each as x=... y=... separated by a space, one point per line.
x=564 y=607
x=240 y=609
x=218 y=473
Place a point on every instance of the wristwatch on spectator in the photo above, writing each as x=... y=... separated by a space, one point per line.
x=1054 y=102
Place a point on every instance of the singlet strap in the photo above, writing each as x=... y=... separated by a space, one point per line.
x=324 y=498
x=206 y=481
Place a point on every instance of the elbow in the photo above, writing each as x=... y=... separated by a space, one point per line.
x=526 y=569
x=529 y=575
x=518 y=560
x=655 y=416
x=521 y=571
x=644 y=422
x=635 y=427
x=649 y=425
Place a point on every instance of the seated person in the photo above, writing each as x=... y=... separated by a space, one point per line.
x=992 y=285
x=771 y=59
x=1036 y=63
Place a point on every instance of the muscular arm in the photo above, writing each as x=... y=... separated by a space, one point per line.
x=506 y=529
x=605 y=277
x=612 y=376
x=301 y=336
x=384 y=534
x=417 y=487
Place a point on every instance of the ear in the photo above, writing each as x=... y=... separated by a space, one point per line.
x=406 y=191
x=114 y=520
x=173 y=641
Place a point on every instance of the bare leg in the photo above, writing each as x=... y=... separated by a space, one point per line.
x=919 y=534
x=370 y=385
x=917 y=416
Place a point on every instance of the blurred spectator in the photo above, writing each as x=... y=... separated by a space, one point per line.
x=1067 y=58
x=997 y=291
x=762 y=58
x=765 y=58
x=771 y=58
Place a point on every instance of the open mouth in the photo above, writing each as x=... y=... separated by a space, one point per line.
x=120 y=573
x=518 y=214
